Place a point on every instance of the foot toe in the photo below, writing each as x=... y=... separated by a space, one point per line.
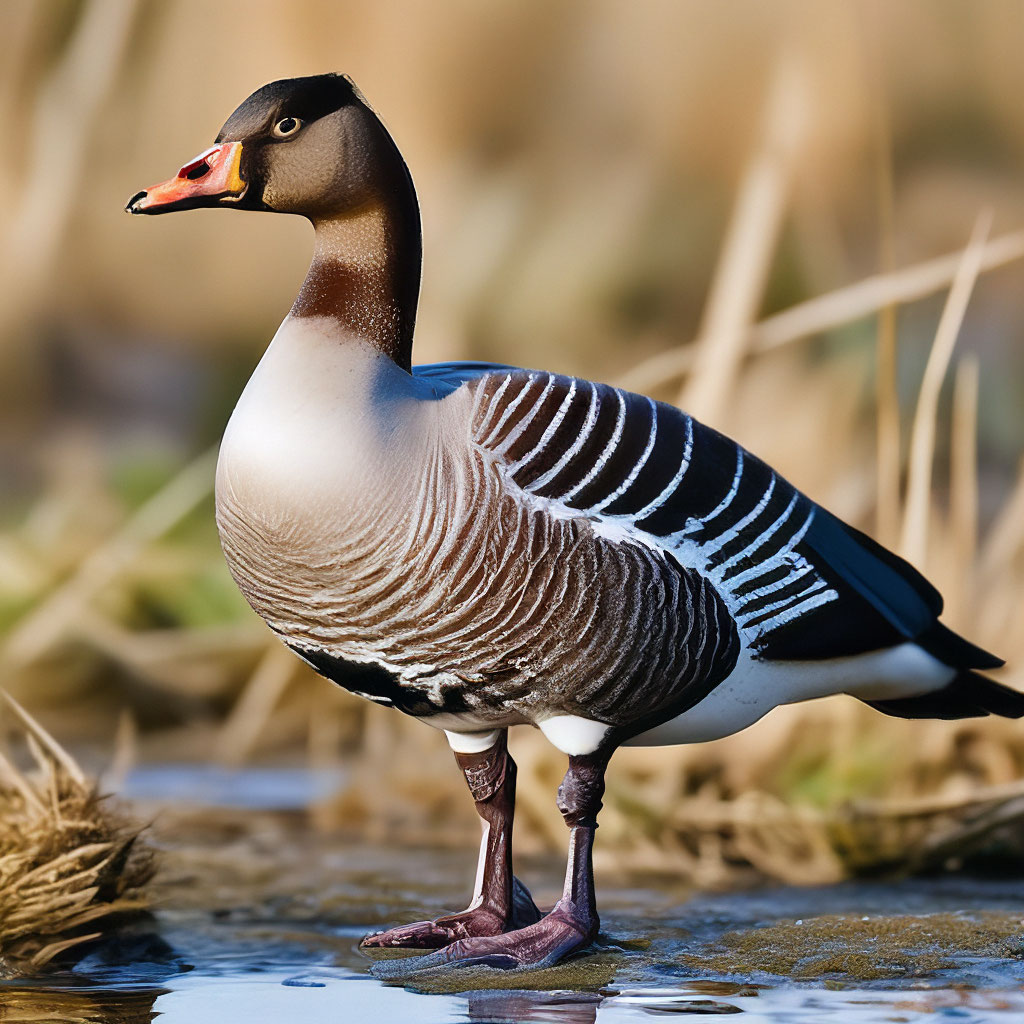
x=421 y=935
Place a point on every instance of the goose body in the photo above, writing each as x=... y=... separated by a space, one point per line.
x=484 y=546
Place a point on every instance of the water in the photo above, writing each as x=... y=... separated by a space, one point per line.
x=260 y=920
x=213 y=785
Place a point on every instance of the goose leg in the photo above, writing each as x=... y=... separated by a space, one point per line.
x=500 y=900
x=573 y=922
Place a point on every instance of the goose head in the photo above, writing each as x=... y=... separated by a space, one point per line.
x=313 y=147
x=309 y=146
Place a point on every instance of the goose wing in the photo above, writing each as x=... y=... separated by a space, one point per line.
x=800 y=583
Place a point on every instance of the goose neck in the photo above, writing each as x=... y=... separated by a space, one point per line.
x=365 y=276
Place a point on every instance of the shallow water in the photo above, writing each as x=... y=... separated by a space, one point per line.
x=259 y=919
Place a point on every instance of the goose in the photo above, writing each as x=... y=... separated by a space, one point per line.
x=483 y=546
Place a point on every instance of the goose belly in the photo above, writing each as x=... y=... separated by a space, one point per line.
x=478 y=609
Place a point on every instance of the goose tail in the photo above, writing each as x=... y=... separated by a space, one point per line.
x=968 y=695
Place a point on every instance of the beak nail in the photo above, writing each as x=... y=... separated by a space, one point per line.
x=138 y=197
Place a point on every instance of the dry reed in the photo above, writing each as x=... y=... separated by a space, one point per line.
x=67 y=106
x=837 y=309
x=70 y=865
x=887 y=402
x=737 y=291
x=914 y=538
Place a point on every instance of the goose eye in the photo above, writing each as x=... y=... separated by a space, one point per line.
x=287 y=126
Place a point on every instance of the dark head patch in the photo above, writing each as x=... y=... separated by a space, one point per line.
x=307 y=99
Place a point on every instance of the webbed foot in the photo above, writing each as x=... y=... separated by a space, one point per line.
x=479 y=922
x=541 y=944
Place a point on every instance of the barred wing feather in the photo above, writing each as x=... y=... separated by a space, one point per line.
x=799 y=582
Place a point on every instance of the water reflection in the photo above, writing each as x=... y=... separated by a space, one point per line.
x=35 y=1006
x=331 y=995
x=497 y=1007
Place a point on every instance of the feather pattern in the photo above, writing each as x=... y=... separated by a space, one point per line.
x=647 y=473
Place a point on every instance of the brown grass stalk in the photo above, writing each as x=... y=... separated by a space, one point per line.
x=743 y=266
x=914 y=535
x=1006 y=537
x=836 y=309
x=66 y=109
x=254 y=708
x=963 y=481
x=887 y=406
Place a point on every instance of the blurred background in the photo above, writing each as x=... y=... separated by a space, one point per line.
x=804 y=222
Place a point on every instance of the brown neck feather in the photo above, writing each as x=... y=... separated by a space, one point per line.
x=366 y=273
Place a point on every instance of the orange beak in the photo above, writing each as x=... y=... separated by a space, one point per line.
x=204 y=181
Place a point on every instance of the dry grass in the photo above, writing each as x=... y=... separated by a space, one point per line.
x=740 y=279
x=70 y=865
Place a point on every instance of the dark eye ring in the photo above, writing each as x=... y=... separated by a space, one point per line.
x=286 y=127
